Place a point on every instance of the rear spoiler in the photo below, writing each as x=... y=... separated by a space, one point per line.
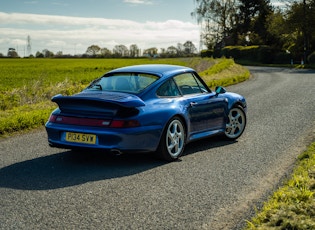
x=104 y=98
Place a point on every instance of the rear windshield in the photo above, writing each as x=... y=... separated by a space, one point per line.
x=124 y=82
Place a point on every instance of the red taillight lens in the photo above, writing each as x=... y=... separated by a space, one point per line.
x=124 y=123
x=79 y=121
x=52 y=118
x=94 y=122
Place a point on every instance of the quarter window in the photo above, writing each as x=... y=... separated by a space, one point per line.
x=168 y=89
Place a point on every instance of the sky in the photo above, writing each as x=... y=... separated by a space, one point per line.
x=71 y=26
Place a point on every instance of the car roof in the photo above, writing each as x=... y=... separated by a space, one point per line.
x=157 y=69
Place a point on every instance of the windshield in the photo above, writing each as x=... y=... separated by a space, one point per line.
x=124 y=82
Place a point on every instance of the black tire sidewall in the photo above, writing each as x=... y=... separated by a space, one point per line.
x=245 y=123
x=162 y=151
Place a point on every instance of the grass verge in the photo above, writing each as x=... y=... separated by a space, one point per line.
x=224 y=73
x=293 y=205
x=24 y=117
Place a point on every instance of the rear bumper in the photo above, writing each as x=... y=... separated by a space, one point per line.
x=139 y=139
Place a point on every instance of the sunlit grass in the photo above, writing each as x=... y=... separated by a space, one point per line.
x=225 y=72
x=293 y=205
x=25 y=117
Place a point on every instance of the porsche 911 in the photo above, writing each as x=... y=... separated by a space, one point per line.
x=152 y=108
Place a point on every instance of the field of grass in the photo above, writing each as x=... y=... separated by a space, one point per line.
x=27 y=85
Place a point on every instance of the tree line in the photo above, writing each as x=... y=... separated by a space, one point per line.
x=188 y=49
x=244 y=23
x=181 y=50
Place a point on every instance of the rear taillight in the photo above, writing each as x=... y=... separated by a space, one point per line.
x=94 y=122
x=79 y=121
x=124 y=123
x=52 y=118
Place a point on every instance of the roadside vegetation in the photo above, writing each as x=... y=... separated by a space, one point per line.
x=27 y=85
x=293 y=205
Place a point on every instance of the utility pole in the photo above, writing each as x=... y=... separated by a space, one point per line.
x=29 y=46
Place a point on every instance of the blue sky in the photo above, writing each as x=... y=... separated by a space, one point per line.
x=138 y=10
x=71 y=26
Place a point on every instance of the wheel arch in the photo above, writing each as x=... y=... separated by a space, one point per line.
x=238 y=103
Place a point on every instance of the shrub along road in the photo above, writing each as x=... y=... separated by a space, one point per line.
x=216 y=185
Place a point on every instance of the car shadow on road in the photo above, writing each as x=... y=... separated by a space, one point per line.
x=206 y=144
x=69 y=168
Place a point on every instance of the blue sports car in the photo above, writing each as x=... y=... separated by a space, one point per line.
x=145 y=108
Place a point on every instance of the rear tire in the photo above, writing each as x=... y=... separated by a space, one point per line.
x=172 y=142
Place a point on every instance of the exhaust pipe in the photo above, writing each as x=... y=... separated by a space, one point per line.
x=116 y=152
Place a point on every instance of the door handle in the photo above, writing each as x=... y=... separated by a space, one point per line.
x=193 y=104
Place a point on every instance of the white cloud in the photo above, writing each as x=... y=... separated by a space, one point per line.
x=138 y=2
x=75 y=34
x=38 y=19
x=279 y=4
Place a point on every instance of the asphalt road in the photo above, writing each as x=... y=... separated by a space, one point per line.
x=215 y=185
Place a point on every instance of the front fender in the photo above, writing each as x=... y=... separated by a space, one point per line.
x=233 y=99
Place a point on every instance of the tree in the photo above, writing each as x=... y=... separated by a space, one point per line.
x=93 y=50
x=300 y=22
x=104 y=52
x=189 y=48
x=39 y=55
x=120 y=51
x=180 y=50
x=171 y=51
x=218 y=18
x=134 y=51
x=59 y=54
x=47 y=53
x=12 y=53
x=247 y=11
x=260 y=22
x=226 y=22
x=275 y=27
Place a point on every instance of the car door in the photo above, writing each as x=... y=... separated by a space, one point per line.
x=205 y=110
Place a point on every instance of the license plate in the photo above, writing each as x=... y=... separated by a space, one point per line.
x=81 y=138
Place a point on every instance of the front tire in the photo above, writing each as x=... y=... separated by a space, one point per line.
x=172 y=143
x=236 y=123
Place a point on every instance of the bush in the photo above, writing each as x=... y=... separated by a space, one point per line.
x=311 y=58
x=232 y=52
x=259 y=54
x=206 y=53
x=282 y=58
x=265 y=55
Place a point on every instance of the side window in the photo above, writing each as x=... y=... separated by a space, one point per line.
x=168 y=89
x=188 y=84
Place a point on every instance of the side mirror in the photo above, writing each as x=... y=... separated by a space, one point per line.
x=220 y=90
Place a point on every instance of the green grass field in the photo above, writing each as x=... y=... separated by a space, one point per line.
x=27 y=85
x=16 y=73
